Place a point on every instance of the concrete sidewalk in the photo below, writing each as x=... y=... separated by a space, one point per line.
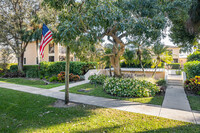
x=148 y=109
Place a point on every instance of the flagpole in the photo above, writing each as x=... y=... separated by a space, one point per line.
x=39 y=54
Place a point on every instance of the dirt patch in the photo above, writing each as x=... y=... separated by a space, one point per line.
x=61 y=104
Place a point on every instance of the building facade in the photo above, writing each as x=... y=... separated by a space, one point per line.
x=52 y=53
x=177 y=58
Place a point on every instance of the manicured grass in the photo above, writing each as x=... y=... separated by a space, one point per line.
x=98 y=91
x=22 y=112
x=194 y=102
x=33 y=83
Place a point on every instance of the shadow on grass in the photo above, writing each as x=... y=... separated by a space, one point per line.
x=20 y=111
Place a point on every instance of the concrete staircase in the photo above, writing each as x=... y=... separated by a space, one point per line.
x=175 y=82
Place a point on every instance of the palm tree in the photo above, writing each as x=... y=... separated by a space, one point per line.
x=161 y=54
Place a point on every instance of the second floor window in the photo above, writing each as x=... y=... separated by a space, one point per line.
x=51 y=48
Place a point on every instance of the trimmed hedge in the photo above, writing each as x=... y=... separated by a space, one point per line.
x=130 y=87
x=194 y=56
x=133 y=65
x=54 y=68
x=6 y=66
x=31 y=71
x=192 y=69
x=174 y=65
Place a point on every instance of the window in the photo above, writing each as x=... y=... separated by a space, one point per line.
x=51 y=58
x=175 y=60
x=61 y=58
x=24 y=60
x=62 y=50
x=51 y=48
x=170 y=51
x=37 y=60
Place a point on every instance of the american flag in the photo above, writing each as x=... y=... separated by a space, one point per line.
x=46 y=38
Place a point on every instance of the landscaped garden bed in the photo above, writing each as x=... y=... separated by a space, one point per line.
x=38 y=115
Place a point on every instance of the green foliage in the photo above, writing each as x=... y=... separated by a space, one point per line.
x=53 y=79
x=161 y=82
x=46 y=77
x=97 y=79
x=174 y=65
x=194 y=56
x=192 y=69
x=178 y=72
x=193 y=85
x=31 y=71
x=130 y=87
x=1 y=72
x=54 y=68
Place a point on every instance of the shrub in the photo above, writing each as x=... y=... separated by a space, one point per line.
x=130 y=87
x=14 y=75
x=46 y=77
x=54 y=68
x=193 y=85
x=192 y=69
x=53 y=79
x=41 y=77
x=178 y=72
x=161 y=82
x=97 y=79
x=194 y=56
x=1 y=72
x=174 y=65
x=30 y=70
x=61 y=77
x=75 y=78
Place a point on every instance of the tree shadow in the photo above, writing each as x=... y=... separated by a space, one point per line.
x=20 y=111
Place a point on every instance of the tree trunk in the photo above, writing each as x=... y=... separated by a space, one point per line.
x=67 y=75
x=155 y=69
x=110 y=71
x=140 y=60
x=20 y=62
x=115 y=61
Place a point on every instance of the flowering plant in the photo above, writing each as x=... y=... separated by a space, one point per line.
x=193 y=84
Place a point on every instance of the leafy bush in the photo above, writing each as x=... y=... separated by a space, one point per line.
x=192 y=69
x=129 y=87
x=194 y=56
x=178 y=72
x=53 y=79
x=1 y=72
x=72 y=77
x=61 y=77
x=161 y=82
x=174 y=65
x=75 y=78
x=30 y=70
x=6 y=66
x=14 y=75
x=46 y=77
x=193 y=85
x=54 y=68
x=97 y=79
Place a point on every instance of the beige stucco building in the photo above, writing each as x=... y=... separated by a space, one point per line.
x=52 y=53
x=177 y=58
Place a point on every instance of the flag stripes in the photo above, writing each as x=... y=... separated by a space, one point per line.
x=46 y=38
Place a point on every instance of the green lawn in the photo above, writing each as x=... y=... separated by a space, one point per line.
x=194 y=102
x=98 y=91
x=33 y=83
x=22 y=112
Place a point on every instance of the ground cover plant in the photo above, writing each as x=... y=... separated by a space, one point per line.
x=97 y=90
x=36 y=115
x=126 y=87
x=28 y=82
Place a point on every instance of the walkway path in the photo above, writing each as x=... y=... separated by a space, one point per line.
x=175 y=96
x=154 y=110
